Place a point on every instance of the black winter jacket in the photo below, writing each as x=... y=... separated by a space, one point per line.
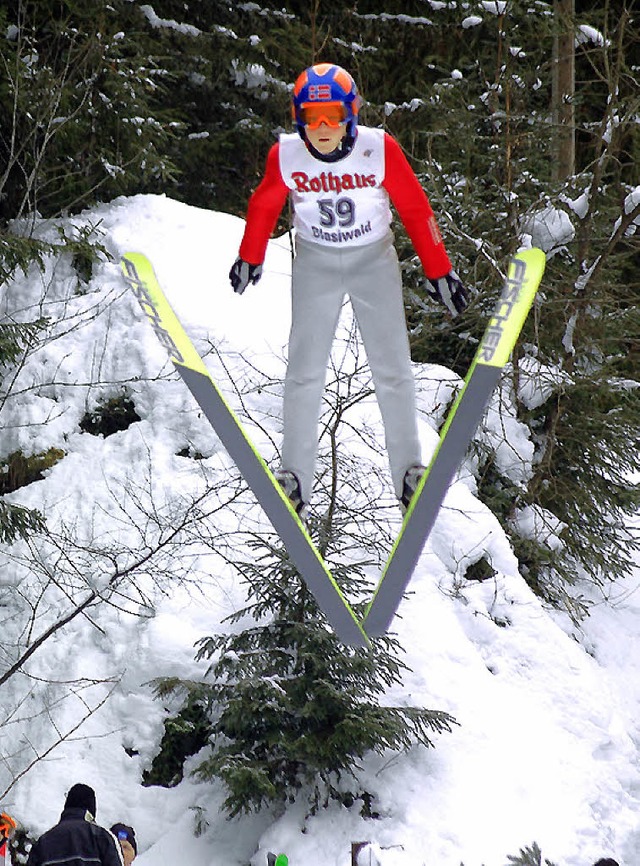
x=76 y=841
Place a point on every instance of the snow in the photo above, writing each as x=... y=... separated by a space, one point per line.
x=496 y=7
x=412 y=105
x=631 y=205
x=539 y=381
x=539 y=524
x=580 y=205
x=549 y=713
x=169 y=24
x=550 y=229
x=632 y=201
x=586 y=33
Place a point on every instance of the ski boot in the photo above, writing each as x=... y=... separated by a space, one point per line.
x=291 y=486
x=409 y=484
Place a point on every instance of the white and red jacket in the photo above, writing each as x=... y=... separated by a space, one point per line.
x=344 y=203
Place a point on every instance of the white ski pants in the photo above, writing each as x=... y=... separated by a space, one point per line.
x=370 y=276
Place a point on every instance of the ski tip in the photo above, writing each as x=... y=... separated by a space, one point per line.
x=532 y=254
x=132 y=258
x=534 y=261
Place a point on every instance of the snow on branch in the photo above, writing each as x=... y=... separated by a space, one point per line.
x=168 y=23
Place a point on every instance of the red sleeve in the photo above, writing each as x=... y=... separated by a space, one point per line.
x=414 y=209
x=263 y=210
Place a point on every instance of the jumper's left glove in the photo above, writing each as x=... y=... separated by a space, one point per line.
x=449 y=291
x=242 y=273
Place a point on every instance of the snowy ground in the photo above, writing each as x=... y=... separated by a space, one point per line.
x=547 y=747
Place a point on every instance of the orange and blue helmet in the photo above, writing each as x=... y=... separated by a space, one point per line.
x=325 y=93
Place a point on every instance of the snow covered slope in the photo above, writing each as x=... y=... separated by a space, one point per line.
x=547 y=747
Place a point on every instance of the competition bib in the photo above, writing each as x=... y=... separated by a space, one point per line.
x=339 y=203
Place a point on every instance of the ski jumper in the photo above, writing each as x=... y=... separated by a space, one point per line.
x=344 y=246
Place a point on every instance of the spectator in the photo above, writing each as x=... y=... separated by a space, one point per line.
x=127 y=838
x=76 y=839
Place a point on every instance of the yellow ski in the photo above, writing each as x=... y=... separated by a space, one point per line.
x=140 y=276
x=523 y=278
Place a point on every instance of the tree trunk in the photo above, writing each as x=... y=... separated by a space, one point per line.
x=564 y=88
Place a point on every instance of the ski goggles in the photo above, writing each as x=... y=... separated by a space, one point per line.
x=312 y=114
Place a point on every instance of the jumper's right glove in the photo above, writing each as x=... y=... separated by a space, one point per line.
x=449 y=291
x=242 y=273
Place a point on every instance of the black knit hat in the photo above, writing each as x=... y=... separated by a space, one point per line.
x=121 y=831
x=81 y=797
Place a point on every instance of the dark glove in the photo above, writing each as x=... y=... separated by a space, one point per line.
x=449 y=291
x=242 y=273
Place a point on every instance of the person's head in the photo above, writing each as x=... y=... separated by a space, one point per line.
x=81 y=797
x=127 y=838
x=606 y=861
x=325 y=106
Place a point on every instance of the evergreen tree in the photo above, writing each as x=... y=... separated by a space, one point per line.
x=529 y=856
x=492 y=188
x=79 y=106
x=15 y=521
x=291 y=711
